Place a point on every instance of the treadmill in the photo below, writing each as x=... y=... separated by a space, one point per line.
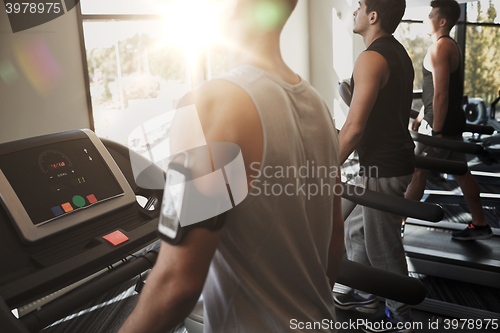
x=70 y=225
x=429 y=245
x=431 y=251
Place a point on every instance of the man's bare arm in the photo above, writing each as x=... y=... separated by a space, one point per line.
x=370 y=74
x=174 y=285
x=227 y=114
x=416 y=123
x=440 y=63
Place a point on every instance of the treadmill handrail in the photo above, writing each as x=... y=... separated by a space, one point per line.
x=472 y=128
x=8 y=322
x=65 y=305
x=391 y=204
x=440 y=165
x=382 y=283
x=457 y=146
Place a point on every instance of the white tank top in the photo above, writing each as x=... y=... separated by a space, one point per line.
x=269 y=271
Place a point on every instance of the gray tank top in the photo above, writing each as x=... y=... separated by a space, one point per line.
x=269 y=271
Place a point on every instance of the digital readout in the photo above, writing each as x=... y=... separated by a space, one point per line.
x=57 y=165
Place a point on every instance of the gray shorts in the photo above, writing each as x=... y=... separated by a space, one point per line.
x=373 y=237
x=428 y=151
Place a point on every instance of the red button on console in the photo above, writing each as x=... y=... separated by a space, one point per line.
x=91 y=198
x=116 y=238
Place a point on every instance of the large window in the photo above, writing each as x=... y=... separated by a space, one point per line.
x=142 y=57
x=134 y=74
x=479 y=39
x=414 y=37
x=413 y=34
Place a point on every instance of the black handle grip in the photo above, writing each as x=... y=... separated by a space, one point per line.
x=479 y=129
x=440 y=165
x=458 y=146
x=391 y=204
x=393 y=286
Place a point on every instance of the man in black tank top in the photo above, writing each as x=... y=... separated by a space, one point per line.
x=443 y=113
x=377 y=126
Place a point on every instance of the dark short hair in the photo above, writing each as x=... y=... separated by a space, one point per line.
x=449 y=10
x=390 y=12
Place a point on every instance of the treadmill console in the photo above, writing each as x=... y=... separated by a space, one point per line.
x=52 y=183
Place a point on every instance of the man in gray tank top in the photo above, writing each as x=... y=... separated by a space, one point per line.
x=443 y=115
x=271 y=268
x=377 y=126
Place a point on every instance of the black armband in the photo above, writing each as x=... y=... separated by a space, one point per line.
x=175 y=206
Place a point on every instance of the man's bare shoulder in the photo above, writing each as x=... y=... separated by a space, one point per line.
x=370 y=65
x=369 y=59
x=445 y=42
x=443 y=48
x=216 y=94
x=225 y=109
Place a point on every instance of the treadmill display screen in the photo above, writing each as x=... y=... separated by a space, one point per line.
x=58 y=179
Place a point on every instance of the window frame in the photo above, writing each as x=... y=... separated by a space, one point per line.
x=86 y=76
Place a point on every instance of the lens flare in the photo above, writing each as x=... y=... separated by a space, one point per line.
x=8 y=72
x=193 y=24
x=38 y=65
x=268 y=15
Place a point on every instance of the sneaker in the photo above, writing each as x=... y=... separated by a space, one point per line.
x=473 y=232
x=388 y=324
x=353 y=301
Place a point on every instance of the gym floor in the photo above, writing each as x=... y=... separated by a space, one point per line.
x=426 y=319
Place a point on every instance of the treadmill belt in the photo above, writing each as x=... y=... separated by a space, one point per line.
x=461 y=293
x=476 y=253
x=460 y=213
x=455 y=208
x=103 y=315
x=486 y=184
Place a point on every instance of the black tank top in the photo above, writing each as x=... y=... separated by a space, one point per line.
x=386 y=143
x=454 y=123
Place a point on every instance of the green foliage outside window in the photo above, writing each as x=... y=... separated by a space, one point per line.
x=144 y=61
x=482 y=57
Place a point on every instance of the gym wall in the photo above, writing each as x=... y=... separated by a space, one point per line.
x=334 y=47
x=42 y=87
x=295 y=40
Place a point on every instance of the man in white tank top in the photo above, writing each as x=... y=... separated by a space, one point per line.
x=271 y=268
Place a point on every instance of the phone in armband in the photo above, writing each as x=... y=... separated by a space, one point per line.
x=175 y=206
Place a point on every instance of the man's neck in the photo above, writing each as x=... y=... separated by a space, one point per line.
x=370 y=36
x=264 y=53
x=255 y=50
x=440 y=33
